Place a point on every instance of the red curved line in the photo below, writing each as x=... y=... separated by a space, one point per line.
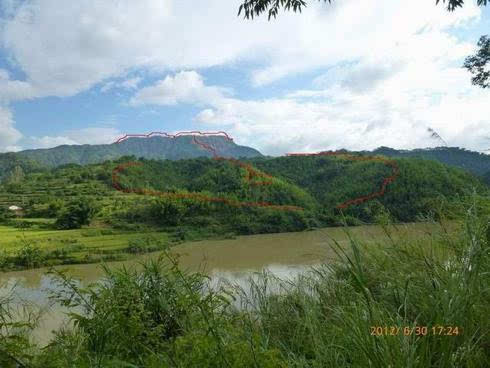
x=391 y=163
x=251 y=173
x=179 y=134
x=198 y=196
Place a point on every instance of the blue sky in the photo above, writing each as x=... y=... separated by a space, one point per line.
x=357 y=74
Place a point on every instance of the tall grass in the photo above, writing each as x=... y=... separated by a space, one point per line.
x=17 y=321
x=161 y=316
x=326 y=317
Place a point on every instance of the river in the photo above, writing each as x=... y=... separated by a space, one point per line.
x=234 y=260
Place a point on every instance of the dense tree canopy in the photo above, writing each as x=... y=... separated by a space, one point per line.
x=316 y=184
x=78 y=213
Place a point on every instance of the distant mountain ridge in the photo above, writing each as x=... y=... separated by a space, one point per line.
x=156 y=147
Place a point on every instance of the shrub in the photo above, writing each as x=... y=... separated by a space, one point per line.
x=60 y=253
x=75 y=215
x=134 y=313
x=146 y=245
x=5 y=259
x=5 y=214
x=167 y=212
x=29 y=256
x=53 y=208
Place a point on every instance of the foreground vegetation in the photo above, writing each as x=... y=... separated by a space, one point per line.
x=162 y=317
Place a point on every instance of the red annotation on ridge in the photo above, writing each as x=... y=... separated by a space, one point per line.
x=251 y=173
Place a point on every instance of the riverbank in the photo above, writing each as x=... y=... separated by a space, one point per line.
x=249 y=252
x=405 y=302
x=32 y=244
x=232 y=259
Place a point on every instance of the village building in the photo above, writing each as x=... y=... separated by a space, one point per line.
x=16 y=209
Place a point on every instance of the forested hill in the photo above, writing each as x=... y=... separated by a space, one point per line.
x=151 y=148
x=317 y=184
x=475 y=162
x=183 y=148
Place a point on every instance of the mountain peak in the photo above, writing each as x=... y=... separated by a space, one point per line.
x=151 y=147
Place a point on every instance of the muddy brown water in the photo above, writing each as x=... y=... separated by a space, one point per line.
x=285 y=255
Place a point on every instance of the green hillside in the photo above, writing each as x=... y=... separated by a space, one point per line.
x=155 y=147
x=316 y=184
x=474 y=162
x=334 y=180
x=10 y=162
x=183 y=147
x=486 y=177
x=75 y=214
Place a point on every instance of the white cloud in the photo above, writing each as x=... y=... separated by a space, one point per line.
x=184 y=87
x=128 y=84
x=394 y=69
x=94 y=135
x=12 y=90
x=48 y=141
x=91 y=135
x=9 y=136
x=91 y=41
x=12 y=149
x=352 y=121
x=354 y=29
x=131 y=83
x=395 y=111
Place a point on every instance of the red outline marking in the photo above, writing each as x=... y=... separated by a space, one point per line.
x=180 y=134
x=386 y=181
x=251 y=173
x=122 y=167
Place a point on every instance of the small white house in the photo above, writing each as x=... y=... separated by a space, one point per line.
x=15 y=208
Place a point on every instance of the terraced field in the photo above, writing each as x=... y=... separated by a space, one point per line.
x=90 y=244
x=89 y=239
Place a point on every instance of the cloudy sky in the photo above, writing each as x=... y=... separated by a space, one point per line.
x=357 y=74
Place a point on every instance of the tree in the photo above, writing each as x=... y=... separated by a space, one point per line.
x=252 y=8
x=16 y=175
x=453 y=4
x=168 y=212
x=75 y=215
x=479 y=63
